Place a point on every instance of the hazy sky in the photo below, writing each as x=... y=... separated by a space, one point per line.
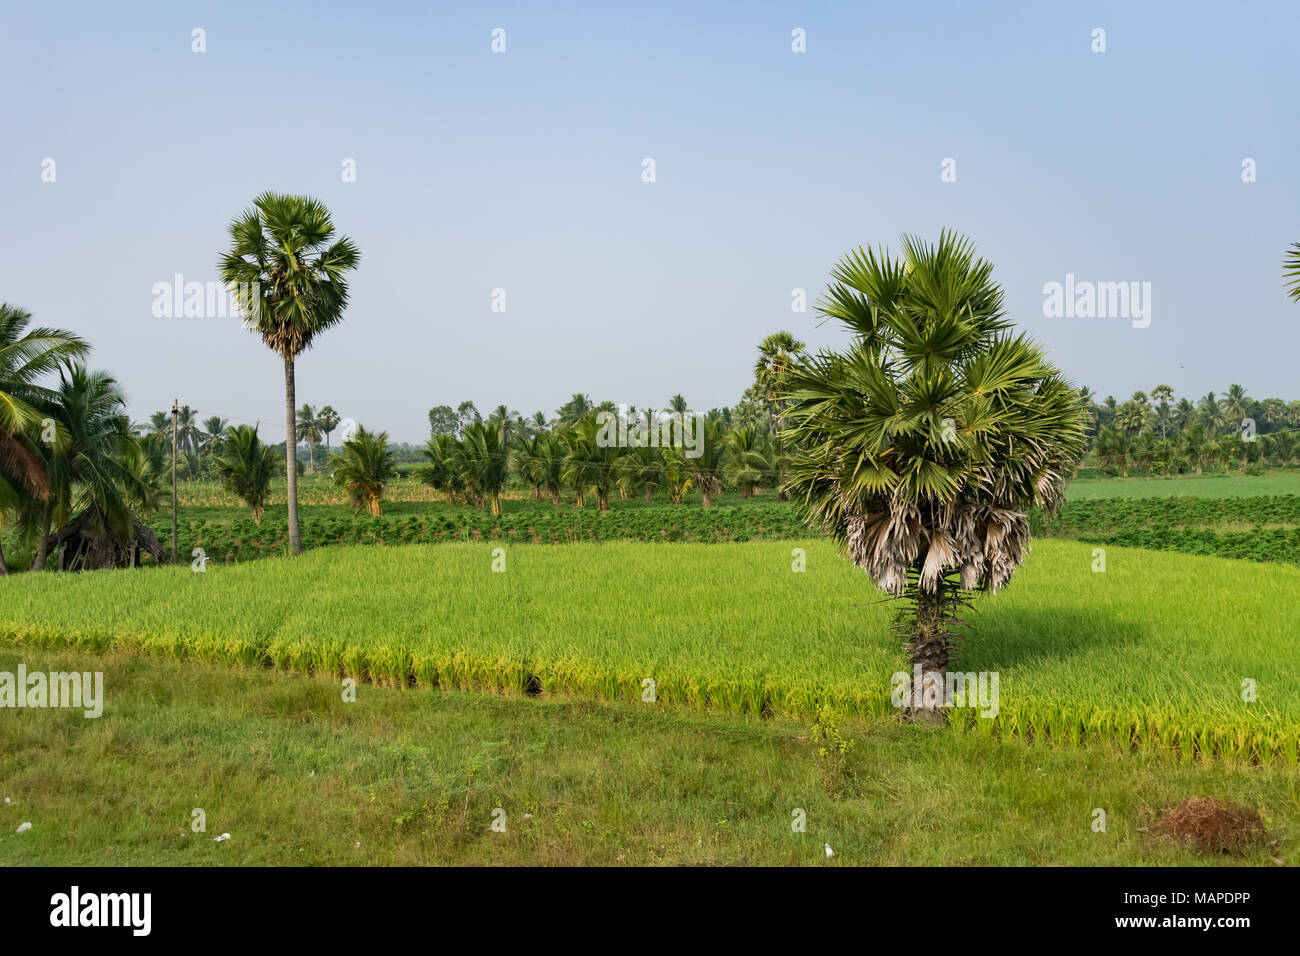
x=523 y=171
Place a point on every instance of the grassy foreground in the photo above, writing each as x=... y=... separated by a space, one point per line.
x=1152 y=652
x=298 y=777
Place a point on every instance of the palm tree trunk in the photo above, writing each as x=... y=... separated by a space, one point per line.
x=930 y=650
x=291 y=453
x=43 y=549
x=4 y=568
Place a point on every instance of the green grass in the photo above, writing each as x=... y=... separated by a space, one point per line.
x=1152 y=653
x=1273 y=482
x=297 y=777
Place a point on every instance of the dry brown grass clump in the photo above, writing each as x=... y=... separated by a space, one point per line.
x=1213 y=827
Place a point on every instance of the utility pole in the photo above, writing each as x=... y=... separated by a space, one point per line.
x=174 y=546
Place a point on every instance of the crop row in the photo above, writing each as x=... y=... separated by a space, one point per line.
x=242 y=539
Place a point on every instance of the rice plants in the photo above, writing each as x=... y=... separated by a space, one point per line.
x=1152 y=653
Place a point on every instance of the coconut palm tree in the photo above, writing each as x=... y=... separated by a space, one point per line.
x=96 y=473
x=574 y=410
x=589 y=464
x=214 y=431
x=507 y=422
x=486 y=463
x=1195 y=446
x=677 y=476
x=444 y=468
x=245 y=468
x=1236 y=407
x=189 y=436
x=922 y=446
x=642 y=467
x=308 y=430
x=1114 y=449
x=160 y=424
x=26 y=356
x=288 y=274
x=1210 y=414
x=748 y=464
x=364 y=467
x=1282 y=447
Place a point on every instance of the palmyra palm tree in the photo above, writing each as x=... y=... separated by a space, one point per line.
x=777 y=354
x=26 y=356
x=364 y=467
x=288 y=274
x=328 y=420
x=921 y=447
x=245 y=468
x=1162 y=394
x=1291 y=271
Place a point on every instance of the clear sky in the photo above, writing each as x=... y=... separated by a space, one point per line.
x=522 y=171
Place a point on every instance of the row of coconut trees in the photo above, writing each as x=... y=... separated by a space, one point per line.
x=1192 y=450
x=476 y=466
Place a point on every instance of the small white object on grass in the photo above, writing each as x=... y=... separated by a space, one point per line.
x=24 y=827
x=829 y=851
x=311 y=773
x=224 y=836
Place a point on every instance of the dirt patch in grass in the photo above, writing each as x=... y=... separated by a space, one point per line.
x=1213 y=827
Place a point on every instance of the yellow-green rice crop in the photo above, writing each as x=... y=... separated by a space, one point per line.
x=1152 y=652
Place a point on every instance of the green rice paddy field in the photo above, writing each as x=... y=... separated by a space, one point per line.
x=1150 y=654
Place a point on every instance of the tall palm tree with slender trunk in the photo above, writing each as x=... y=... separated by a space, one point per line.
x=289 y=275
x=777 y=354
x=923 y=445
x=328 y=419
x=214 y=432
x=1162 y=394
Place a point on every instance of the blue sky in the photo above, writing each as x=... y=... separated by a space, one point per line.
x=522 y=171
